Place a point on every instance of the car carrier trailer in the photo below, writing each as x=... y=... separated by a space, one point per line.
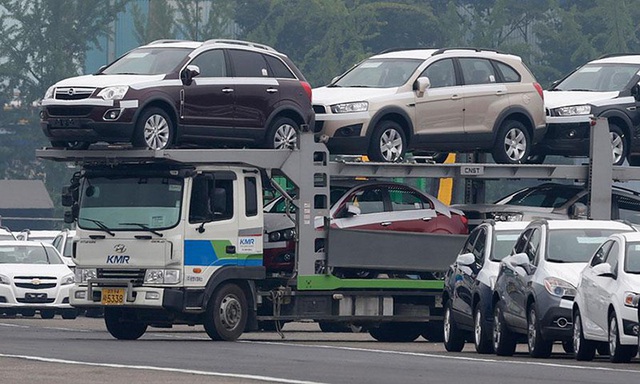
x=175 y=237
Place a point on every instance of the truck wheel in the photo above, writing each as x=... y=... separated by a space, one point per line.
x=282 y=134
x=583 y=349
x=122 y=325
x=388 y=143
x=154 y=130
x=47 y=313
x=227 y=313
x=538 y=345
x=513 y=144
x=396 y=332
x=453 y=336
x=619 y=353
x=504 y=341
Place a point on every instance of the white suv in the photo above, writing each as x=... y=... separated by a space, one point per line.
x=429 y=101
x=605 y=310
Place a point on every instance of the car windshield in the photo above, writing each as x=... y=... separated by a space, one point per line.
x=575 y=245
x=548 y=196
x=148 y=61
x=130 y=203
x=503 y=243
x=632 y=258
x=599 y=78
x=31 y=254
x=379 y=73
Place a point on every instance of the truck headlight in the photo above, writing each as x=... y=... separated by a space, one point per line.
x=558 y=287
x=359 y=106
x=631 y=299
x=162 y=276
x=84 y=274
x=49 y=93
x=68 y=279
x=574 y=110
x=113 y=93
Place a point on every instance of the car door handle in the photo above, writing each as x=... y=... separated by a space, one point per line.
x=272 y=90
x=227 y=90
x=385 y=223
x=501 y=92
x=427 y=218
x=455 y=97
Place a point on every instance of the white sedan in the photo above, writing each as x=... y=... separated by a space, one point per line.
x=33 y=277
x=605 y=309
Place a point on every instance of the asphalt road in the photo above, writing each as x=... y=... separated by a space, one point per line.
x=81 y=351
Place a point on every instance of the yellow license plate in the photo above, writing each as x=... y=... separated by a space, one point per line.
x=113 y=296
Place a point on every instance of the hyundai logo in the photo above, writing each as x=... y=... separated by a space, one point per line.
x=119 y=248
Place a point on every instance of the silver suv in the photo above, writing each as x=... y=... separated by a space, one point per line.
x=430 y=101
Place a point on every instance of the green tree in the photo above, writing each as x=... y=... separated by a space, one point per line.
x=204 y=19
x=157 y=23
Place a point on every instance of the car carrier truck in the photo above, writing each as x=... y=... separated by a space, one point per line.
x=176 y=236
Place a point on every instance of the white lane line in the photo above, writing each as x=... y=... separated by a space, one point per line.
x=51 y=328
x=448 y=357
x=160 y=369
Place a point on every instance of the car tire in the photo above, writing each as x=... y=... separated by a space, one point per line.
x=453 y=336
x=47 y=313
x=122 y=325
x=154 y=130
x=619 y=353
x=69 y=314
x=70 y=144
x=28 y=312
x=227 y=312
x=583 y=349
x=282 y=134
x=536 y=159
x=538 y=345
x=481 y=333
x=396 y=332
x=513 y=143
x=388 y=142
x=619 y=146
x=504 y=340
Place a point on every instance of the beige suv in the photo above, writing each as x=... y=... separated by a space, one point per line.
x=429 y=101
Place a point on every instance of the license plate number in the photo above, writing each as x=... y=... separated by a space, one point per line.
x=113 y=296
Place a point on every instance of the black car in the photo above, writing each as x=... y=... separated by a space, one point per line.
x=217 y=92
x=469 y=284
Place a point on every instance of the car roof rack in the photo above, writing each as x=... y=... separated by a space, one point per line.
x=443 y=50
x=389 y=50
x=166 y=41
x=240 y=42
x=617 y=54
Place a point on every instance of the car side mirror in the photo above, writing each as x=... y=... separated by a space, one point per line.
x=189 y=73
x=635 y=92
x=520 y=263
x=466 y=259
x=604 y=270
x=578 y=211
x=353 y=210
x=421 y=85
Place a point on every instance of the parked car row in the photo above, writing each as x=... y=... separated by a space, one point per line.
x=572 y=281
x=426 y=101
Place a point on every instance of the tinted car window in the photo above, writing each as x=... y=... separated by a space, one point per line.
x=479 y=247
x=632 y=258
x=441 y=74
x=248 y=64
x=477 y=71
x=575 y=245
x=369 y=200
x=503 y=243
x=405 y=200
x=599 y=78
x=628 y=208
x=468 y=245
x=598 y=257
x=211 y=63
x=612 y=256
x=545 y=197
x=508 y=74
x=278 y=68
x=148 y=61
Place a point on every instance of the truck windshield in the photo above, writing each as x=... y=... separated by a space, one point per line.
x=148 y=61
x=130 y=203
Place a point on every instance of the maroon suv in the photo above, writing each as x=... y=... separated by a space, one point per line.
x=166 y=93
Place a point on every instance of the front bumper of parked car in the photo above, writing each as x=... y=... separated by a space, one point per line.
x=566 y=136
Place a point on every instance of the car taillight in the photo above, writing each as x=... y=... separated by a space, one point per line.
x=464 y=221
x=307 y=88
x=538 y=88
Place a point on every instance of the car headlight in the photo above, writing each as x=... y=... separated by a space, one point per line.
x=631 y=299
x=505 y=216
x=84 y=274
x=574 y=110
x=162 y=276
x=283 y=235
x=4 y=279
x=359 y=106
x=113 y=93
x=68 y=279
x=558 y=287
x=49 y=93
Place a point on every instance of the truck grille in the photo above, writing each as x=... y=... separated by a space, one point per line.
x=135 y=275
x=73 y=93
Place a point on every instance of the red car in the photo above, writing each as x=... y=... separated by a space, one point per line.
x=371 y=205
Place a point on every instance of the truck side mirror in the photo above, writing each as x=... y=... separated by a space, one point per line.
x=189 y=73
x=67 y=198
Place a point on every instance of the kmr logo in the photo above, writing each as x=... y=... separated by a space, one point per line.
x=117 y=259
x=247 y=241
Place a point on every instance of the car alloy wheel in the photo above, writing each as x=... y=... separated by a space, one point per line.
x=156 y=132
x=286 y=137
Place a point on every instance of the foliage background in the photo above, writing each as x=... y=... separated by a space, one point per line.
x=43 y=41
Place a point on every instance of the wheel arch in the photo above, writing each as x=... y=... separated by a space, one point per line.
x=622 y=121
x=164 y=104
x=283 y=111
x=395 y=114
x=514 y=113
